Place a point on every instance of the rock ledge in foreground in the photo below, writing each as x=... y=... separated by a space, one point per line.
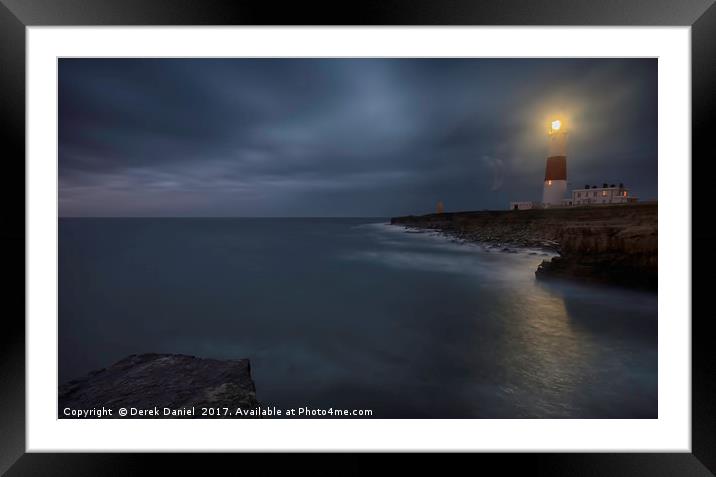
x=174 y=381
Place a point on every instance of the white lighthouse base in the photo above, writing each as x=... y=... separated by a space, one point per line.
x=553 y=192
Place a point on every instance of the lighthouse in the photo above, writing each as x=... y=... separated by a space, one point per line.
x=555 y=174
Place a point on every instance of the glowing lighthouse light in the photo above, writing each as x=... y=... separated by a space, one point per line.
x=556 y=124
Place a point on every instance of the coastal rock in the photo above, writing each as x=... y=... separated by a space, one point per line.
x=171 y=381
x=615 y=245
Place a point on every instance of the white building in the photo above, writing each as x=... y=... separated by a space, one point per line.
x=589 y=195
x=607 y=194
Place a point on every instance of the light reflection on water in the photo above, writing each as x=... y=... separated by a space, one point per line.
x=551 y=356
x=349 y=313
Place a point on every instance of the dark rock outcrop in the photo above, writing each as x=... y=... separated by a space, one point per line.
x=625 y=255
x=159 y=381
x=607 y=244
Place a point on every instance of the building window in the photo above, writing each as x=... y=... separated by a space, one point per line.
x=624 y=193
x=604 y=193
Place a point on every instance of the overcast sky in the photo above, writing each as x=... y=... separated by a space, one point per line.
x=344 y=137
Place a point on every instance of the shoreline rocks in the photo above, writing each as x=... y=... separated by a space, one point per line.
x=615 y=245
x=154 y=383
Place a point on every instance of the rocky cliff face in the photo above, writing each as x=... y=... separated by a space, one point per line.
x=625 y=256
x=162 y=381
x=607 y=244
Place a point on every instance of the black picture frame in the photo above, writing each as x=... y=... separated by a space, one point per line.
x=16 y=15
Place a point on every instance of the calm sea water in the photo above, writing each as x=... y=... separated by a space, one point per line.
x=354 y=313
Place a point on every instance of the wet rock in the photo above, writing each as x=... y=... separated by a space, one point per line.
x=172 y=381
x=607 y=244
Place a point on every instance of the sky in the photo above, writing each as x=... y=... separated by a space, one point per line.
x=353 y=137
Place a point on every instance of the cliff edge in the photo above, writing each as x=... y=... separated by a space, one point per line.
x=615 y=245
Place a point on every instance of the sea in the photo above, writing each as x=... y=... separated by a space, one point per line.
x=354 y=313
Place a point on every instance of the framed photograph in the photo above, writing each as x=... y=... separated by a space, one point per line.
x=420 y=227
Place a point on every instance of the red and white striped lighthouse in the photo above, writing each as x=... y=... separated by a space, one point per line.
x=555 y=174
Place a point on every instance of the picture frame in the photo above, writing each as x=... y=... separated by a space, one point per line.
x=16 y=15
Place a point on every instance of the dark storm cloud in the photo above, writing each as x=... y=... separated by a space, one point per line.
x=335 y=137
